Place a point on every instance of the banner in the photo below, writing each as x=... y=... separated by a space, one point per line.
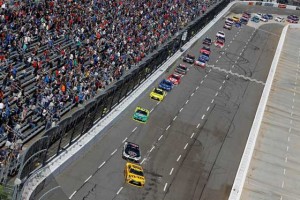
x=269 y=4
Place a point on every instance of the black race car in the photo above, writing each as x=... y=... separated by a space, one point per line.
x=131 y=152
x=207 y=41
x=189 y=58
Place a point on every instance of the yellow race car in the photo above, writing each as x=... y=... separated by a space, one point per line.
x=134 y=174
x=236 y=19
x=157 y=94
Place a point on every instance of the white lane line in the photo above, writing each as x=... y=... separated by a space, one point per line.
x=217 y=61
x=121 y=188
x=186 y=146
x=114 y=152
x=197 y=87
x=124 y=140
x=167 y=127
x=86 y=180
x=225 y=49
x=70 y=197
x=286 y=159
x=102 y=165
x=205 y=76
x=228 y=45
x=187 y=101
x=180 y=109
x=287 y=148
x=220 y=87
x=209 y=70
x=198 y=125
x=192 y=135
x=227 y=76
x=158 y=103
x=152 y=148
x=143 y=160
x=230 y=42
x=224 y=81
x=207 y=108
x=151 y=110
x=202 y=116
x=160 y=137
x=216 y=93
x=212 y=100
x=288 y=139
x=174 y=118
x=192 y=94
x=241 y=52
x=171 y=171
x=294 y=93
x=282 y=185
x=284 y=171
x=291 y=121
x=220 y=56
x=235 y=61
x=134 y=129
x=245 y=46
x=165 y=186
x=178 y=158
x=201 y=82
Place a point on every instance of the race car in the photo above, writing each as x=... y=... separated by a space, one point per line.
x=204 y=57
x=189 y=58
x=264 y=18
x=220 y=34
x=207 y=41
x=219 y=43
x=235 y=19
x=134 y=174
x=293 y=17
x=165 y=85
x=181 y=69
x=200 y=63
x=175 y=78
x=229 y=21
x=157 y=94
x=131 y=152
x=269 y=16
x=141 y=115
x=246 y=15
x=205 y=50
x=255 y=19
x=279 y=19
x=292 y=21
x=244 y=20
x=227 y=26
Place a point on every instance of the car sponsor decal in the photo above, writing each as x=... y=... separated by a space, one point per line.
x=132 y=153
x=250 y=3
x=258 y=3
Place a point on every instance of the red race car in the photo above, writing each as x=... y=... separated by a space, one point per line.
x=219 y=43
x=205 y=50
x=292 y=21
x=200 y=63
x=175 y=78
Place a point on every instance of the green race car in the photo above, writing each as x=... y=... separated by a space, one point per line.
x=141 y=115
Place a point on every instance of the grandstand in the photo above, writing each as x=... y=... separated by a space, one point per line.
x=56 y=56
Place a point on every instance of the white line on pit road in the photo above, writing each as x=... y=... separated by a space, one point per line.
x=202 y=116
x=205 y=76
x=72 y=194
x=171 y=171
x=160 y=137
x=86 y=180
x=192 y=135
x=158 y=103
x=217 y=61
x=187 y=101
x=143 y=160
x=224 y=81
x=102 y=165
x=287 y=148
x=151 y=110
x=208 y=108
x=134 y=129
x=220 y=87
x=212 y=100
x=165 y=186
x=174 y=118
x=180 y=109
x=216 y=93
x=197 y=87
x=201 y=82
x=167 y=127
x=124 y=140
x=152 y=148
x=178 y=158
x=186 y=145
x=192 y=94
x=198 y=125
x=220 y=56
x=119 y=190
x=114 y=152
x=209 y=70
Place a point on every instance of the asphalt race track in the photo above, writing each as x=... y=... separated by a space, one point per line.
x=194 y=139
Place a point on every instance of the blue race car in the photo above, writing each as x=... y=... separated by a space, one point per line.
x=204 y=56
x=165 y=85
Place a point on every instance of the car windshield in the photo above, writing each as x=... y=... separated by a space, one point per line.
x=136 y=172
x=204 y=54
x=158 y=91
x=174 y=76
x=167 y=82
x=206 y=48
x=182 y=67
x=208 y=39
x=142 y=112
x=132 y=150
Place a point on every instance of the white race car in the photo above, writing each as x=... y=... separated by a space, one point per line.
x=279 y=19
x=220 y=34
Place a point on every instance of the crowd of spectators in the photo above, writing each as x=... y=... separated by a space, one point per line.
x=59 y=52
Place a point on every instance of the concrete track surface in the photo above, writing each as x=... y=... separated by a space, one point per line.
x=274 y=168
x=194 y=139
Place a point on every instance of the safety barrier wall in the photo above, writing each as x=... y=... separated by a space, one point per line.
x=78 y=129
